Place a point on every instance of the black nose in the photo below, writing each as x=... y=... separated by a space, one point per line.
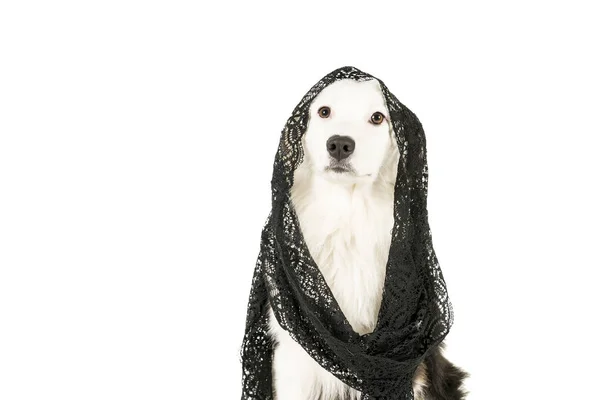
x=340 y=147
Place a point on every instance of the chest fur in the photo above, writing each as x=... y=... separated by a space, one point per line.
x=348 y=232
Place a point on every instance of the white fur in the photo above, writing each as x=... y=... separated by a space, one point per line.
x=346 y=219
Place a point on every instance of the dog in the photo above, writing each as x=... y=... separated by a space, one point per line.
x=343 y=194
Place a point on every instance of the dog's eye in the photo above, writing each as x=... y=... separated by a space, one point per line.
x=324 y=112
x=377 y=118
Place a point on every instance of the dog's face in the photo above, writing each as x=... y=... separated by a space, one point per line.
x=349 y=136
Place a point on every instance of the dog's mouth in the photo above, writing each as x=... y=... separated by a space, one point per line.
x=340 y=168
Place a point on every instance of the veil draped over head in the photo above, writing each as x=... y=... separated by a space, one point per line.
x=415 y=313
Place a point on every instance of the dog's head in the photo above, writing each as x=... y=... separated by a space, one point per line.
x=349 y=138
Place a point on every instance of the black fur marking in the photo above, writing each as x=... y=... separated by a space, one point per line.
x=444 y=379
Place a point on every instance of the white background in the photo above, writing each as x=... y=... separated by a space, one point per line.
x=136 y=146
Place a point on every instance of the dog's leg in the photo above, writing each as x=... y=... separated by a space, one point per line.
x=294 y=372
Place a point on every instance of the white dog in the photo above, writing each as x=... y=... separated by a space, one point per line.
x=343 y=194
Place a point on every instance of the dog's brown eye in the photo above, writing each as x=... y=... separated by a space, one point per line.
x=324 y=112
x=377 y=118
